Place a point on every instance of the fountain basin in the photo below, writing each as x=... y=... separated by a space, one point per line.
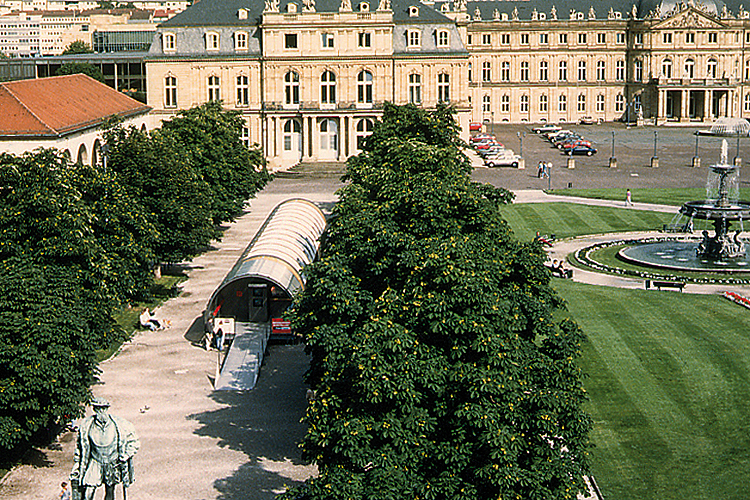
x=680 y=255
x=709 y=210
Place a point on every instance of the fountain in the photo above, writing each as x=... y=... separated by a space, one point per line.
x=721 y=208
x=721 y=252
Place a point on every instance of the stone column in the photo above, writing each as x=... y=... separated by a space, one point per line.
x=707 y=104
x=685 y=105
x=305 y=137
x=314 y=138
x=661 y=107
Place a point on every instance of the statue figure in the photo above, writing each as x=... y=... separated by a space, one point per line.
x=384 y=5
x=535 y=15
x=309 y=6
x=553 y=13
x=271 y=6
x=104 y=453
x=572 y=14
x=634 y=12
x=346 y=5
x=515 y=14
x=725 y=12
x=611 y=13
x=477 y=14
x=592 y=13
x=496 y=15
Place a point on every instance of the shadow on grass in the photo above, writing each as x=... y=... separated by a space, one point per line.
x=264 y=424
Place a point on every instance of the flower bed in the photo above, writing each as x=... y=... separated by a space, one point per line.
x=737 y=299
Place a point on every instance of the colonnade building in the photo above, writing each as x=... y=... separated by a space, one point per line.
x=310 y=77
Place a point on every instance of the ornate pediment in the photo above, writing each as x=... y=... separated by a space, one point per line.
x=690 y=18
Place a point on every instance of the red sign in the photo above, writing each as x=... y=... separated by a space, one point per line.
x=280 y=326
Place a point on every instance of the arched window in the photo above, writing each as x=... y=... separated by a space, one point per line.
x=582 y=102
x=713 y=64
x=328 y=135
x=619 y=103
x=505 y=71
x=562 y=103
x=543 y=103
x=328 y=87
x=505 y=103
x=581 y=71
x=83 y=156
x=242 y=90
x=543 y=71
x=364 y=129
x=600 y=103
x=563 y=73
x=524 y=71
x=601 y=71
x=486 y=71
x=214 y=88
x=292 y=135
x=690 y=69
x=638 y=70
x=170 y=91
x=168 y=42
x=444 y=87
x=415 y=88
x=486 y=105
x=524 y=103
x=212 y=41
x=364 y=87
x=291 y=87
x=666 y=68
x=240 y=40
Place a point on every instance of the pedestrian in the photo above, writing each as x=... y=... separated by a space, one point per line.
x=628 y=199
x=64 y=491
x=540 y=170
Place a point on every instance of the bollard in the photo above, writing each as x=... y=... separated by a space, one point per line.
x=613 y=162
x=696 y=162
x=654 y=162
x=571 y=163
x=521 y=164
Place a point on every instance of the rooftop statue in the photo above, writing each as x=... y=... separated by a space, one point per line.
x=104 y=454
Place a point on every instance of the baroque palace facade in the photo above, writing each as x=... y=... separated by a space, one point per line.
x=311 y=77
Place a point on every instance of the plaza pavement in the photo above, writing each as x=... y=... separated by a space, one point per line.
x=200 y=444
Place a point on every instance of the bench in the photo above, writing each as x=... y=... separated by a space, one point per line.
x=678 y=285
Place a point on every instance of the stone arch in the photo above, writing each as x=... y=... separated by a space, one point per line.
x=83 y=155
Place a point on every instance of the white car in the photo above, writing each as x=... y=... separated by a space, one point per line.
x=503 y=159
x=547 y=127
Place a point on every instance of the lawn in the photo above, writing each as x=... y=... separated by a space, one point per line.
x=674 y=197
x=668 y=378
x=570 y=219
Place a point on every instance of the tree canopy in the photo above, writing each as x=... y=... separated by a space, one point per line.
x=84 y=68
x=437 y=363
x=78 y=47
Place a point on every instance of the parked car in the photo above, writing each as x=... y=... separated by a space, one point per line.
x=551 y=136
x=492 y=150
x=586 y=120
x=486 y=144
x=581 y=150
x=480 y=137
x=573 y=142
x=546 y=128
x=506 y=159
x=475 y=126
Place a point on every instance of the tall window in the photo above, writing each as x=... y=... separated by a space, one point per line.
x=364 y=87
x=525 y=103
x=413 y=38
x=242 y=90
x=543 y=71
x=601 y=38
x=543 y=38
x=486 y=39
x=245 y=136
x=562 y=103
x=214 y=88
x=291 y=87
x=415 y=88
x=486 y=107
x=290 y=41
x=292 y=135
x=563 y=73
x=747 y=102
x=170 y=92
x=505 y=103
x=620 y=70
x=689 y=37
x=600 y=103
x=326 y=40
x=563 y=38
x=690 y=69
x=713 y=37
x=581 y=71
x=601 y=71
x=638 y=70
x=543 y=103
x=711 y=68
x=505 y=71
x=486 y=71
x=364 y=129
x=169 y=41
x=444 y=87
x=443 y=38
x=581 y=102
x=328 y=87
x=667 y=38
x=582 y=39
x=524 y=38
x=212 y=41
x=666 y=68
x=240 y=40
x=524 y=71
x=619 y=103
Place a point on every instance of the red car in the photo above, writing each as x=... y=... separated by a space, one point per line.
x=475 y=126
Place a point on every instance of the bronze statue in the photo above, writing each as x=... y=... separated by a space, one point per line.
x=104 y=454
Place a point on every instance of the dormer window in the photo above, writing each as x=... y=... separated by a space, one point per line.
x=240 y=40
x=364 y=7
x=242 y=14
x=168 y=40
x=413 y=11
x=413 y=38
x=212 y=41
x=291 y=8
x=443 y=38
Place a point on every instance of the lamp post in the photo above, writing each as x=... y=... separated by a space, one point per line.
x=492 y=115
x=696 y=160
x=520 y=138
x=737 y=159
x=655 y=159
x=612 y=159
x=549 y=176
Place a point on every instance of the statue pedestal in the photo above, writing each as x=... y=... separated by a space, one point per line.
x=571 y=163
x=613 y=162
x=521 y=164
x=654 y=162
x=737 y=161
x=696 y=162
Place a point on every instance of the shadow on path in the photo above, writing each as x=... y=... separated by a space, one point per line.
x=264 y=424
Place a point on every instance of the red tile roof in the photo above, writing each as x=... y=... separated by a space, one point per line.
x=60 y=105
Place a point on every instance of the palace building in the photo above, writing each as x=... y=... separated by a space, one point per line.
x=310 y=77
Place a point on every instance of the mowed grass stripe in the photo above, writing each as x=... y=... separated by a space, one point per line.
x=669 y=391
